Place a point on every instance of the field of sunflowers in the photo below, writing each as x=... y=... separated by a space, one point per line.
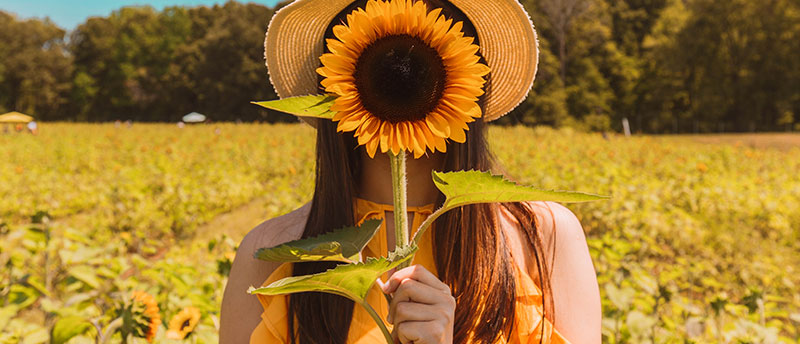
x=111 y=234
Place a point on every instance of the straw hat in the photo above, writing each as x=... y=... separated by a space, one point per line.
x=295 y=41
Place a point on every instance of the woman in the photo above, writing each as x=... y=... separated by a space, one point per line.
x=518 y=273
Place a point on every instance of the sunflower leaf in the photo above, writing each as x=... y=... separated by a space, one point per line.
x=342 y=245
x=352 y=281
x=317 y=106
x=67 y=328
x=471 y=187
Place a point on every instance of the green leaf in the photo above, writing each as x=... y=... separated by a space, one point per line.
x=471 y=187
x=68 y=327
x=621 y=298
x=21 y=296
x=86 y=275
x=37 y=284
x=342 y=245
x=7 y=313
x=35 y=335
x=318 y=106
x=352 y=281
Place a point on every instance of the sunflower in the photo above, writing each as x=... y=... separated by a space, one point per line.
x=407 y=79
x=144 y=311
x=183 y=323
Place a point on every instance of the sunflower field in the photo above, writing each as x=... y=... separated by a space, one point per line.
x=109 y=231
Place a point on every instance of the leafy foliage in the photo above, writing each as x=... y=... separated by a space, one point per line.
x=470 y=187
x=342 y=245
x=139 y=64
x=152 y=181
x=352 y=281
x=698 y=244
x=666 y=65
x=306 y=106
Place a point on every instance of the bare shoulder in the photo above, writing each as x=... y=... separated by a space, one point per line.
x=275 y=231
x=241 y=311
x=558 y=225
x=573 y=280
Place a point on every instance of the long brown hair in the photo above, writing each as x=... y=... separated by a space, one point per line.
x=470 y=249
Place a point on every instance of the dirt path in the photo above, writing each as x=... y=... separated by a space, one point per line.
x=781 y=141
x=235 y=223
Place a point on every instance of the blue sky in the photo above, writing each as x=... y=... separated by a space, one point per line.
x=68 y=14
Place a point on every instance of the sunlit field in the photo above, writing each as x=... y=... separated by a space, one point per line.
x=699 y=243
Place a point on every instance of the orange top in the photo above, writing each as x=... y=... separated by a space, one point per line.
x=274 y=326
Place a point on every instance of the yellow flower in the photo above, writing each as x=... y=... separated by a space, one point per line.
x=406 y=79
x=148 y=309
x=183 y=323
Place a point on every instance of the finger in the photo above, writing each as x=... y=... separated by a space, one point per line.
x=418 y=273
x=412 y=311
x=412 y=291
x=420 y=332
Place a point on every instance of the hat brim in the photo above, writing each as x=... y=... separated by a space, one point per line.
x=295 y=41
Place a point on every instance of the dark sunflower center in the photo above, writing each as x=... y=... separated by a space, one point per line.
x=400 y=78
x=185 y=324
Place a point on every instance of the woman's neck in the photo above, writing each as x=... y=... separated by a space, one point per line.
x=376 y=183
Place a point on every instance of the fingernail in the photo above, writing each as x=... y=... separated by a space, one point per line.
x=385 y=288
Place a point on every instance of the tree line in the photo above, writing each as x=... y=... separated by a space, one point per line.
x=665 y=65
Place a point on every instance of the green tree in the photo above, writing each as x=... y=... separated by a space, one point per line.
x=146 y=65
x=122 y=63
x=731 y=66
x=34 y=67
x=222 y=70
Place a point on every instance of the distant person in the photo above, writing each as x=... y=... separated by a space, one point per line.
x=181 y=125
x=33 y=128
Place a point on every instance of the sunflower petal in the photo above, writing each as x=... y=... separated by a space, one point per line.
x=415 y=134
x=386 y=131
x=338 y=64
x=372 y=146
x=351 y=122
x=459 y=136
x=437 y=125
x=369 y=130
x=455 y=124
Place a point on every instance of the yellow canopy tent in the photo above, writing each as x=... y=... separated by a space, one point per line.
x=15 y=117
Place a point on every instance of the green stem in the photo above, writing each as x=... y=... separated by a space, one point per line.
x=113 y=327
x=400 y=199
x=427 y=224
x=379 y=321
x=421 y=230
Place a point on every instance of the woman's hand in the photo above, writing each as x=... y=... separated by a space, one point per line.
x=422 y=308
